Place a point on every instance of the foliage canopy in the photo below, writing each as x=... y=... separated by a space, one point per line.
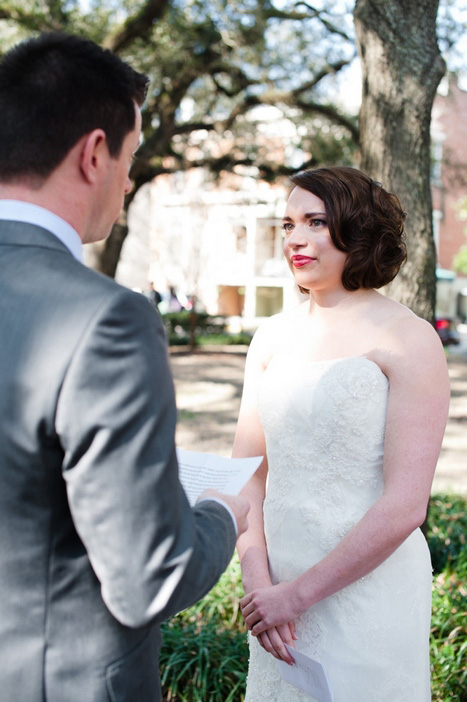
x=229 y=79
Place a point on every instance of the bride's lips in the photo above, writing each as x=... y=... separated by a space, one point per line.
x=299 y=261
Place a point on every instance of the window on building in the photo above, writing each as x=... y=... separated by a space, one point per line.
x=268 y=245
x=269 y=301
x=240 y=239
x=231 y=300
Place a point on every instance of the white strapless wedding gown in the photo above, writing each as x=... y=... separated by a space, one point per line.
x=324 y=424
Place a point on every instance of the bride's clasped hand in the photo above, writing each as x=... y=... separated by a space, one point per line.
x=270 y=607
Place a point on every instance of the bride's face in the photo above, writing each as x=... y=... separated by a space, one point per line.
x=312 y=257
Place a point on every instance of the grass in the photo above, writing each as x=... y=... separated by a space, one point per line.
x=205 y=652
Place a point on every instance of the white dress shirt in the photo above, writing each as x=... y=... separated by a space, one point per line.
x=19 y=211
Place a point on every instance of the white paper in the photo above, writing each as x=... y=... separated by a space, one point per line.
x=307 y=675
x=199 y=471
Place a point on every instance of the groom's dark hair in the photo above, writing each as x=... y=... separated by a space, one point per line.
x=54 y=89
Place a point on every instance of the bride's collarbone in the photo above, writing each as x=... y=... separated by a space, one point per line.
x=318 y=347
x=322 y=353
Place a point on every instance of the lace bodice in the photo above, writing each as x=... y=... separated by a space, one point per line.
x=324 y=425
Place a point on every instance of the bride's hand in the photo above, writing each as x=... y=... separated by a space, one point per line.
x=273 y=641
x=269 y=607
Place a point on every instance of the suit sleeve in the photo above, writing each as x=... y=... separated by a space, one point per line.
x=152 y=553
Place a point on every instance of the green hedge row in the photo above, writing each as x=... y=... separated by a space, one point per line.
x=186 y=327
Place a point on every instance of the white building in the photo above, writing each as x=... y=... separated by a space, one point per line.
x=219 y=243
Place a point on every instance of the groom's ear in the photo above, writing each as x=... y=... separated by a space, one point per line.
x=93 y=156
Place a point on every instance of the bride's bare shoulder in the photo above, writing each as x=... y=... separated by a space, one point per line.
x=407 y=340
x=400 y=322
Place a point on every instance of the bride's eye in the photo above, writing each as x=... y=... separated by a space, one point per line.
x=287 y=227
x=317 y=222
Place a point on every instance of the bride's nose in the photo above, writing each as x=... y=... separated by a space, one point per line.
x=296 y=239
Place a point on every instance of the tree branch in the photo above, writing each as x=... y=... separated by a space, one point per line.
x=331 y=68
x=234 y=73
x=333 y=114
x=274 y=98
x=138 y=25
x=227 y=162
x=30 y=21
x=57 y=12
x=312 y=13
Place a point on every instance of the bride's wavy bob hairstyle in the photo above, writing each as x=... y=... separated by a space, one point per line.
x=364 y=220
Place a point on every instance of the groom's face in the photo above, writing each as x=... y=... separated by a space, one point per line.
x=115 y=183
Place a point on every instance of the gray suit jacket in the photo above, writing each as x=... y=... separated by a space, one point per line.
x=97 y=541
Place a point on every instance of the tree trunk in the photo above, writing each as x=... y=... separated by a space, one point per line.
x=108 y=252
x=401 y=69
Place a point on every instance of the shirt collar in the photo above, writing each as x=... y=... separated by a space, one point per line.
x=20 y=211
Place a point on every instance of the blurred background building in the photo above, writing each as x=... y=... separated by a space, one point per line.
x=218 y=242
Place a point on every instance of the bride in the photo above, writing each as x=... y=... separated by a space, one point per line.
x=347 y=398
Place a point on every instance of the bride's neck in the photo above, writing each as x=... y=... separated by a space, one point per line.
x=336 y=304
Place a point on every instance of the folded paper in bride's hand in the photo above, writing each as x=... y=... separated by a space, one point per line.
x=199 y=471
x=307 y=675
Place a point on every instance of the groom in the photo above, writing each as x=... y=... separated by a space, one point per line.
x=97 y=541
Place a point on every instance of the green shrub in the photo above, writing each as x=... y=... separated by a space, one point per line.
x=241 y=339
x=447 y=526
x=447 y=529
x=181 y=323
x=208 y=329
x=222 y=603
x=201 y=662
x=205 y=653
x=449 y=638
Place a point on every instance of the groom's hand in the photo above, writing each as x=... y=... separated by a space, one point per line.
x=238 y=504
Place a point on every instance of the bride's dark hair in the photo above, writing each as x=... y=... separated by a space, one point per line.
x=364 y=220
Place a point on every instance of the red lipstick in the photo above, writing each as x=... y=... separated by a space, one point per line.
x=300 y=261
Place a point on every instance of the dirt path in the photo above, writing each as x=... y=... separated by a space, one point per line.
x=209 y=386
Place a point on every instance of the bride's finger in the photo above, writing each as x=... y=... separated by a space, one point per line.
x=245 y=600
x=247 y=609
x=252 y=619
x=265 y=641
x=274 y=644
x=287 y=634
